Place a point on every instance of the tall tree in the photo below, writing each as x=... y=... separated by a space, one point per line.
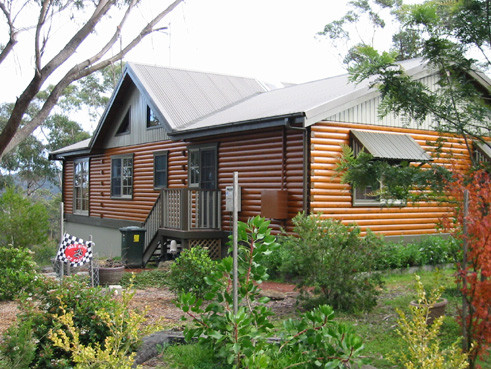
x=447 y=34
x=51 y=57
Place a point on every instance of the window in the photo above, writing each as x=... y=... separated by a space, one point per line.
x=393 y=148
x=152 y=120
x=160 y=170
x=81 y=187
x=124 y=127
x=122 y=176
x=202 y=167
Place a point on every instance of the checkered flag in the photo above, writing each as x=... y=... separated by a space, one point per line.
x=74 y=251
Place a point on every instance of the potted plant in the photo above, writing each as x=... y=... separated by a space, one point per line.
x=430 y=299
x=435 y=310
x=110 y=271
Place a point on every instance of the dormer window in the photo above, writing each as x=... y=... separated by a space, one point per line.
x=152 y=120
x=124 y=127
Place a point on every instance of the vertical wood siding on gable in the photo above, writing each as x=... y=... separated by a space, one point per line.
x=333 y=199
x=367 y=112
x=139 y=134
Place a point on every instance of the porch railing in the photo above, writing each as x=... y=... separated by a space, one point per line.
x=191 y=209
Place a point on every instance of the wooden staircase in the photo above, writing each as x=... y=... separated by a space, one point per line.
x=183 y=214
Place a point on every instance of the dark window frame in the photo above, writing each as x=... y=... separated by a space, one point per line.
x=122 y=186
x=127 y=117
x=152 y=120
x=197 y=152
x=160 y=154
x=85 y=179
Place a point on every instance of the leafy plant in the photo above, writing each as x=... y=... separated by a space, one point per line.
x=48 y=301
x=188 y=272
x=146 y=278
x=125 y=331
x=23 y=222
x=17 y=272
x=18 y=352
x=422 y=344
x=241 y=338
x=474 y=270
x=334 y=264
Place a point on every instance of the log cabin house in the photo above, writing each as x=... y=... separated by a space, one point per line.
x=164 y=153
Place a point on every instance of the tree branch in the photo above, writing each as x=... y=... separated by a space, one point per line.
x=75 y=73
x=12 y=33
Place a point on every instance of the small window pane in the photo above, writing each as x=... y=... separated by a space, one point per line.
x=81 y=187
x=160 y=170
x=152 y=120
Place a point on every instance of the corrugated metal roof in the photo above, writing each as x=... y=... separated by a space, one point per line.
x=81 y=145
x=184 y=96
x=391 y=146
x=314 y=100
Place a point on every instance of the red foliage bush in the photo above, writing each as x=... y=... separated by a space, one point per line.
x=474 y=273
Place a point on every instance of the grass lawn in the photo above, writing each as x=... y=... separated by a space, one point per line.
x=377 y=328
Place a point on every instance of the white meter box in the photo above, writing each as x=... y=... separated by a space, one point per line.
x=229 y=198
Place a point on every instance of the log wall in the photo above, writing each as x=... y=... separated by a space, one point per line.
x=258 y=157
x=333 y=199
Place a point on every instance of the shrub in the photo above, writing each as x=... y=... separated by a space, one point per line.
x=431 y=250
x=422 y=342
x=17 y=272
x=50 y=300
x=335 y=261
x=189 y=271
x=146 y=278
x=241 y=338
x=23 y=222
x=125 y=332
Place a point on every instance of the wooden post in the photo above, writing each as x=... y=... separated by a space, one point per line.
x=235 y=242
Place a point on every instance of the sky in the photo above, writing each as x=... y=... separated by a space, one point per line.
x=271 y=40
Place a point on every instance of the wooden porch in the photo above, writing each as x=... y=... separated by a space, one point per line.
x=190 y=216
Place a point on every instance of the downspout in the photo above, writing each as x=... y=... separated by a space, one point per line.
x=306 y=162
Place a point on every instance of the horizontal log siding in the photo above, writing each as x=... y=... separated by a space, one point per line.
x=144 y=196
x=333 y=199
x=258 y=158
x=68 y=187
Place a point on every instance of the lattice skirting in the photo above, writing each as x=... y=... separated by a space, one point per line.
x=213 y=245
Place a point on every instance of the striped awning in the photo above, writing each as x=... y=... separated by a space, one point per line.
x=391 y=146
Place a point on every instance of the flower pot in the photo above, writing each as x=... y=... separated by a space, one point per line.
x=110 y=275
x=434 y=311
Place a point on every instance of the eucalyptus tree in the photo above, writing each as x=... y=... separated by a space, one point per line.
x=88 y=48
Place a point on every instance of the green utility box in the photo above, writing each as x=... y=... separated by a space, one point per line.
x=132 y=244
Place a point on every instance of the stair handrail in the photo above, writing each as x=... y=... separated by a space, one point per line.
x=154 y=220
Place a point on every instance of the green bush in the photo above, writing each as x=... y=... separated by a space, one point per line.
x=146 y=278
x=240 y=337
x=189 y=271
x=334 y=263
x=431 y=250
x=17 y=272
x=23 y=222
x=50 y=300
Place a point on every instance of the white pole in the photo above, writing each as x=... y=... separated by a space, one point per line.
x=62 y=265
x=235 y=216
x=91 y=263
